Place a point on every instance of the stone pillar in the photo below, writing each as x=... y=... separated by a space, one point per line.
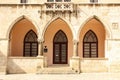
x=75 y=60
x=40 y=48
x=75 y=48
x=41 y=59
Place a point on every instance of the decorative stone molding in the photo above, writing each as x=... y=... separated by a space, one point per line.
x=115 y=25
x=58 y=6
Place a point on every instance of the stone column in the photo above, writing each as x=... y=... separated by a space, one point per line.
x=42 y=61
x=40 y=48
x=75 y=48
x=75 y=60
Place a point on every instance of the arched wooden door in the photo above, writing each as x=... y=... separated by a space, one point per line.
x=60 y=48
x=30 y=44
x=90 y=45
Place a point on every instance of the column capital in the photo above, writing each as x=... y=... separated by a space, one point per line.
x=75 y=41
x=40 y=40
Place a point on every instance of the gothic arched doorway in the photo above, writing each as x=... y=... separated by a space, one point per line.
x=60 y=46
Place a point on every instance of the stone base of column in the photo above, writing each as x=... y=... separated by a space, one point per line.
x=3 y=70
x=41 y=62
x=75 y=63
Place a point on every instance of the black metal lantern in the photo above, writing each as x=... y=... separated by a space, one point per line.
x=45 y=49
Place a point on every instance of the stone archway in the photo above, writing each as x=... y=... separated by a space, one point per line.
x=97 y=27
x=55 y=26
x=17 y=34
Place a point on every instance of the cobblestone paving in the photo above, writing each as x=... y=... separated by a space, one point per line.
x=82 y=76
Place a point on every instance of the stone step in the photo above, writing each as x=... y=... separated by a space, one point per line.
x=56 y=70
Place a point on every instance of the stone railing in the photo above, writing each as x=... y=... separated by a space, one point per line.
x=59 y=6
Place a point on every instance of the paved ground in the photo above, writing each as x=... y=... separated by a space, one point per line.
x=82 y=76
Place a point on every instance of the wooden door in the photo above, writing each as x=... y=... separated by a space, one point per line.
x=60 y=48
x=60 y=53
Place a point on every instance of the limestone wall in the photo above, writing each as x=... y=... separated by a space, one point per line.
x=43 y=1
x=108 y=15
x=114 y=55
x=23 y=64
x=94 y=65
x=3 y=55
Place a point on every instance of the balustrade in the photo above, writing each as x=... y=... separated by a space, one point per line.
x=59 y=6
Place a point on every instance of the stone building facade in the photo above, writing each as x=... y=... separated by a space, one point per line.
x=82 y=34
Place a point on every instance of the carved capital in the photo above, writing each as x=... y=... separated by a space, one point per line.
x=40 y=41
x=75 y=42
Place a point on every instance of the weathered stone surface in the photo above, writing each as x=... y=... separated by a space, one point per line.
x=23 y=65
x=94 y=65
x=11 y=12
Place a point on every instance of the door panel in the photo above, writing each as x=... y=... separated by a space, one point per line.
x=60 y=48
x=60 y=53
x=56 y=53
x=63 y=53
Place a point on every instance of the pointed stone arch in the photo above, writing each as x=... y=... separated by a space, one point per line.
x=105 y=25
x=49 y=32
x=17 y=20
x=17 y=32
x=54 y=19
x=98 y=28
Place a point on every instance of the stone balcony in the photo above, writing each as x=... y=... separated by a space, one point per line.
x=59 y=6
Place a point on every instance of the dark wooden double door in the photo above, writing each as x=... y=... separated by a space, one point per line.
x=60 y=47
x=60 y=53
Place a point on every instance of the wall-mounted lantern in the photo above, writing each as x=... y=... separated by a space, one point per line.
x=45 y=49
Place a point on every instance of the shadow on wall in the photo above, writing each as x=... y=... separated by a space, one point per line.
x=3 y=62
x=7 y=66
x=13 y=68
x=2 y=59
x=21 y=65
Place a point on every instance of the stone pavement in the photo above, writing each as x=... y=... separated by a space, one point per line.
x=81 y=76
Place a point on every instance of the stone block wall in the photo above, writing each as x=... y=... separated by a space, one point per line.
x=94 y=65
x=23 y=64
x=114 y=66
x=43 y=1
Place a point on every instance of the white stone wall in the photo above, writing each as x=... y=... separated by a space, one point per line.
x=94 y=65
x=43 y=1
x=107 y=14
x=24 y=64
x=3 y=55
